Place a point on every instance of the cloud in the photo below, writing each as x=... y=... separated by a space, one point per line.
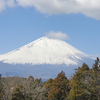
x=2 y=5
x=94 y=56
x=57 y=35
x=6 y=3
x=89 y=8
x=10 y=3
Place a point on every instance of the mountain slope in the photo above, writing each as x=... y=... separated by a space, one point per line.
x=44 y=51
x=43 y=58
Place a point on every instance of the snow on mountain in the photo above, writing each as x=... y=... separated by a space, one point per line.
x=44 y=51
x=43 y=58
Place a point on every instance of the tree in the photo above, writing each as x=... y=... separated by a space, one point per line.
x=77 y=85
x=49 y=84
x=17 y=93
x=96 y=72
x=96 y=65
x=1 y=91
x=94 y=81
x=20 y=93
x=60 y=87
x=28 y=87
x=9 y=82
x=47 y=87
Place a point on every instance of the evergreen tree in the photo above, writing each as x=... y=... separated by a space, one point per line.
x=77 y=85
x=96 y=72
x=47 y=87
x=60 y=88
x=49 y=84
x=94 y=81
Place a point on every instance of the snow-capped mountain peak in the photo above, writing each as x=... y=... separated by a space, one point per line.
x=44 y=51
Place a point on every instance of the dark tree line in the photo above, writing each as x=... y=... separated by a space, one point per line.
x=83 y=85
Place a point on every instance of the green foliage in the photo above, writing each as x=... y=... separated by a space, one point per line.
x=1 y=92
x=77 y=83
x=84 y=85
x=30 y=78
x=49 y=84
x=28 y=86
x=60 y=87
x=17 y=93
x=96 y=65
x=94 y=81
x=47 y=87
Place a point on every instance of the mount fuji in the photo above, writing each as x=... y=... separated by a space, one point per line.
x=43 y=58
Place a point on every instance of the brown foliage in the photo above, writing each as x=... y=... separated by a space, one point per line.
x=60 y=87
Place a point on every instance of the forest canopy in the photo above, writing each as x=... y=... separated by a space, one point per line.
x=83 y=85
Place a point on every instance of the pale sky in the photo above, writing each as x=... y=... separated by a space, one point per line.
x=75 y=21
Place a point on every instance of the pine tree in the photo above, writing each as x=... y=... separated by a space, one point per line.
x=47 y=87
x=60 y=87
x=77 y=85
x=94 y=81
x=96 y=65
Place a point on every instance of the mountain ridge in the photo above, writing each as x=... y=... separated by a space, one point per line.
x=44 y=51
x=43 y=58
